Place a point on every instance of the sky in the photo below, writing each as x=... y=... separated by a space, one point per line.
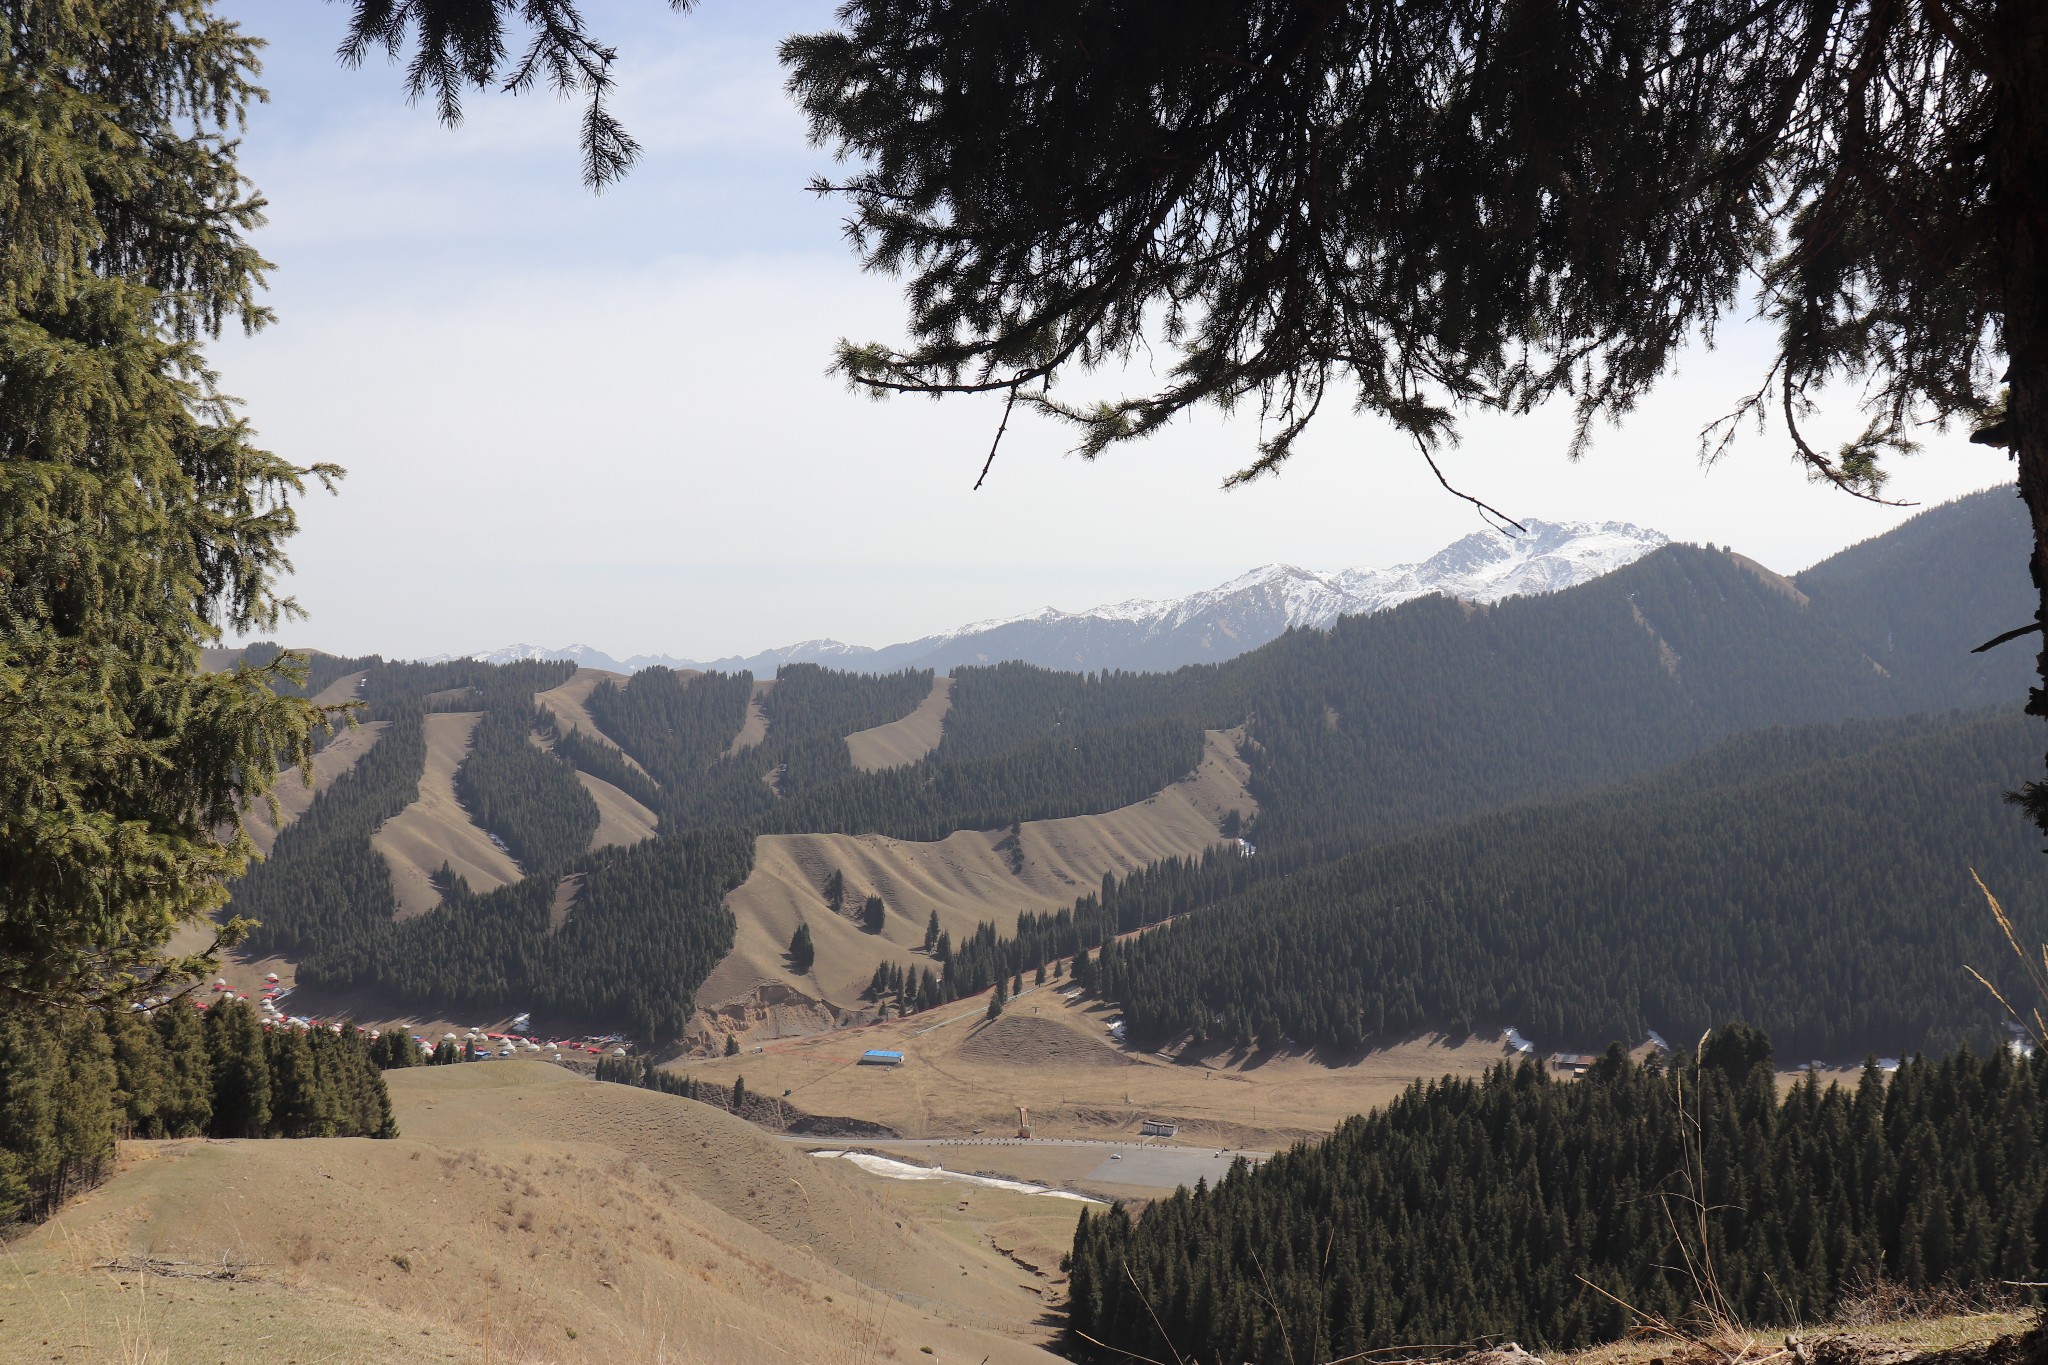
x=605 y=418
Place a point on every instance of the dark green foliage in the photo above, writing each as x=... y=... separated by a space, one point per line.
x=185 y=1076
x=71 y=1082
x=732 y=1046
x=873 y=914
x=645 y=926
x=1297 y=205
x=57 y=1091
x=809 y=702
x=323 y=883
x=1816 y=881
x=1079 y=775
x=395 y=1049
x=676 y=727
x=599 y=760
x=1919 y=598
x=1469 y=1209
x=801 y=952
x=322 y=670
x=241 y=1071
x=527 y=797
x=139 y=518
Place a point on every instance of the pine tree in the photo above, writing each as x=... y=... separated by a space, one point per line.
x=138 y=517
x=241 y=1071
x=801 y=952
x=873 y=914
x=931 y=933
x=739 y=1095
x=732 y=1045
x=186 y=1108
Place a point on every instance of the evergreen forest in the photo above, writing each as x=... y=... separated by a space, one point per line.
x=1520 y=1206
x=72 y=1083
x=1598 y=803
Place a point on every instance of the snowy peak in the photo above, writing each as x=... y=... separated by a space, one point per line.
x=1209 y=626
x=1486 y=566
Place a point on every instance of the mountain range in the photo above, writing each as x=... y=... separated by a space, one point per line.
x=1204 y=627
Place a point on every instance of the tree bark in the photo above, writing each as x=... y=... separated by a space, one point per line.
x=2019 y=176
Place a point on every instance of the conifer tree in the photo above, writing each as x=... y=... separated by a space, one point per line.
x=137 y=516
x=873 y=914
x=739 y=1095
x=931 y=933
x=241 y=1071
x=801 y=951
x=186 y=1109
x=732 y=1045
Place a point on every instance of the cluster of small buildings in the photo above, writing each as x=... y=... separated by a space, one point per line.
x=480 y=1044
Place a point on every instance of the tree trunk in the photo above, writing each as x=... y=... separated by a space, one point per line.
x=2019 y=175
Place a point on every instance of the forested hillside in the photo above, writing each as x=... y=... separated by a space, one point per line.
x=636 y=931
x=1467 y=1210
x=1815 y=882
x=1920 y=598
x=1431 y=746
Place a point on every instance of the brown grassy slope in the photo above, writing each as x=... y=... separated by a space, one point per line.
x=435 y=829
x=568 y=702
x=963 y=1075
x=906 y=740
x=621 y=821
x=526 y=1216
x=966 y=878
x=754 y=728
x=341 y=753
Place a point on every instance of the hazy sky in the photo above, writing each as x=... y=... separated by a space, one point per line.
x=605 y=418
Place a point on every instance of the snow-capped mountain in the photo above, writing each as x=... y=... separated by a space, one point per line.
x=1209 y=626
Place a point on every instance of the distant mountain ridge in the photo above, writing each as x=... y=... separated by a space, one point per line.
x=1204 y=627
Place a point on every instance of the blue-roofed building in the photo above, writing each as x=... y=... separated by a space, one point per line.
x=876 y=1056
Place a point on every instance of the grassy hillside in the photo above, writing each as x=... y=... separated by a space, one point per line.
x=527 y=1215
x=1378 y=730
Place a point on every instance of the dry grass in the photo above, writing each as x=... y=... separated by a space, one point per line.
x=570 y=701
x=906 y=740
x=954 y=1084
x=965 y=879
x=436 y=830
x=527 y=1216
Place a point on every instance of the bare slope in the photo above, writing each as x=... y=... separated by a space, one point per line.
x=754 y=728
x=906 y=740
x=341 y=753
x=435 y=829
x=568 y=702
x=621 y=820
x=966 y=878
x=527 y=1215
